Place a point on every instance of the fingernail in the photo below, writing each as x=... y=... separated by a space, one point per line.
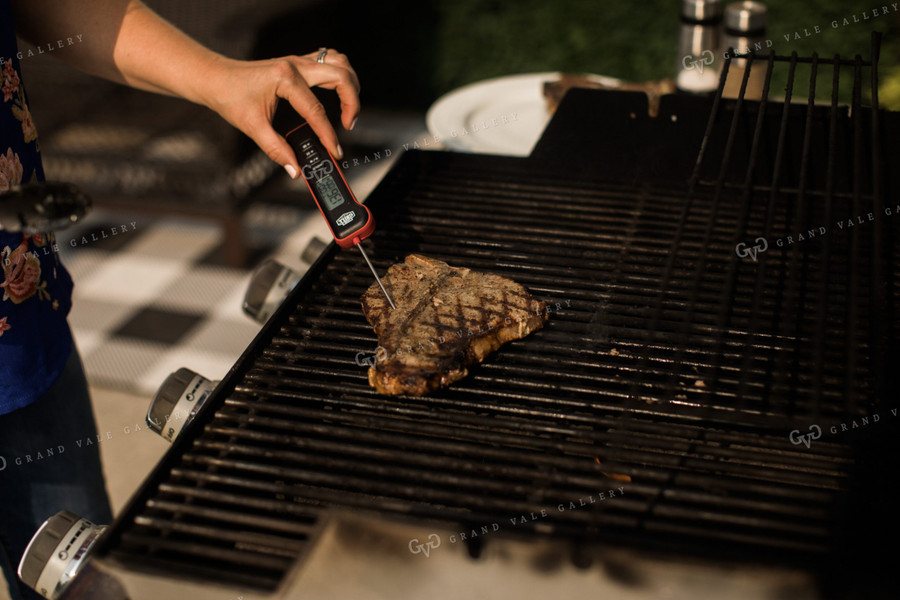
x=291 y=171
x=340 y=150
x=353 y=124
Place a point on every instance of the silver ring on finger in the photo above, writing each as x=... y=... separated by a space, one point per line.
x=320 y=58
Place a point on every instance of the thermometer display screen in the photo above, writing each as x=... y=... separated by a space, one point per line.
x=329 y=193
x=349 y=221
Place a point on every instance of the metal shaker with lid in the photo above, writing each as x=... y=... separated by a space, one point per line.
x=699 y=33
x=697 y=71
x=745 y=32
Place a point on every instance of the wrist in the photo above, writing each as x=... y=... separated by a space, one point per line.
x=211 y=80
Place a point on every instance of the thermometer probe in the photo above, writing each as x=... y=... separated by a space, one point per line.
x=349 y=221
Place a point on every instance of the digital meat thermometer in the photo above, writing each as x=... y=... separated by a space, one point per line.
x=350 y=222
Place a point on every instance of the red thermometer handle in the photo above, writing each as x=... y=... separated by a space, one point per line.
x=350 y=222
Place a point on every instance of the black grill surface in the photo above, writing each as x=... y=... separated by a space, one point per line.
x=674 y=364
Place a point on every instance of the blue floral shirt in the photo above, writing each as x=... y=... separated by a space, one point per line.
x=35 y=288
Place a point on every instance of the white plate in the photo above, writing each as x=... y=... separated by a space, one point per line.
x=505 y=115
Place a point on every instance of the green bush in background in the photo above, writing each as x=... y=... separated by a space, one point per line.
x=633 y=40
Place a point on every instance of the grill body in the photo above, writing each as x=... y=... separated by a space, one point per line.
x=683 y=373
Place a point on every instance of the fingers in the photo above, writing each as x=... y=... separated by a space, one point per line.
x=348 y=92
x=338 y=60
x=308 y=106
x=349 y=105
x=294 y=77
x=334 y=74
x=290 y=86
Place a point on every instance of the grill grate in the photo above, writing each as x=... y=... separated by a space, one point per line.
x=670 y=367
x=785 y=201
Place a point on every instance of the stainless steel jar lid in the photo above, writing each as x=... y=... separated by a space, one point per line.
x=746 y=17
x=701 y=10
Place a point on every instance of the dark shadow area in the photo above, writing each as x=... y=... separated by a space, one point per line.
x=391 y=45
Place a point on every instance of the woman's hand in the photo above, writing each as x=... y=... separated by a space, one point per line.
x=246 y=93
x=125 y=41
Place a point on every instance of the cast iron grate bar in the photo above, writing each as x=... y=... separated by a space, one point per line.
x=826 y=251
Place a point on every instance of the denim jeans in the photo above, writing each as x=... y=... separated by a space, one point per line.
x=46 y=466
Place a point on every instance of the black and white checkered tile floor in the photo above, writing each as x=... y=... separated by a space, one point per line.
x=151 y=298
x=148 y=300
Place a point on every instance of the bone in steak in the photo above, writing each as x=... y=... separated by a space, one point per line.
x=446 y=319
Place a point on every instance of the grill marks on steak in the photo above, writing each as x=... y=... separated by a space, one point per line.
x=446 y=319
